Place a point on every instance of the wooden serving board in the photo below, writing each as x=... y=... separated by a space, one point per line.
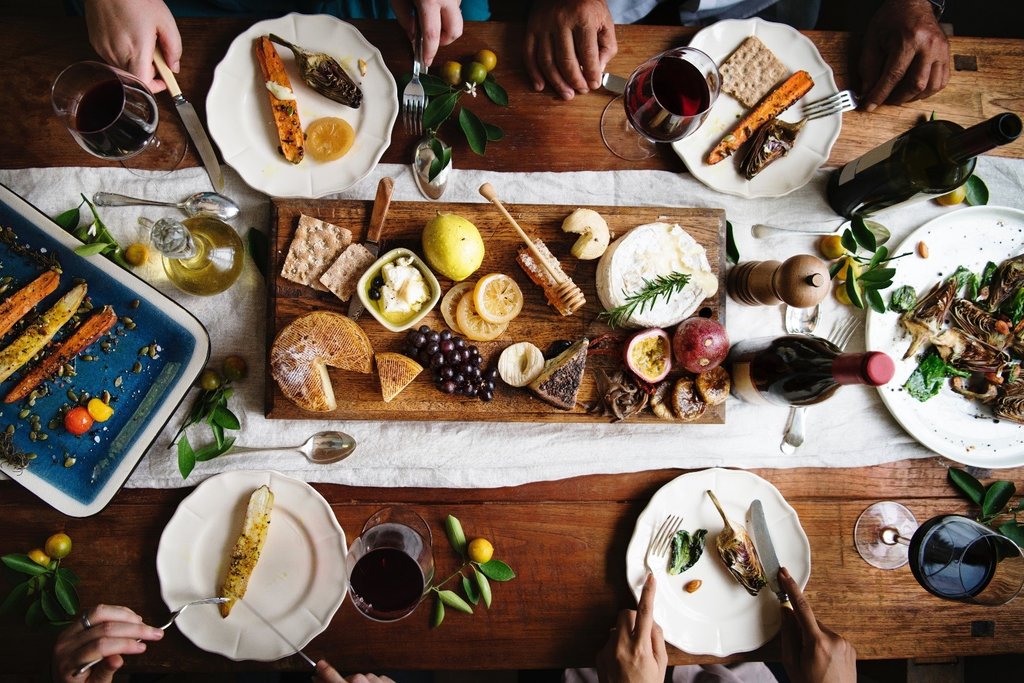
x=358 y=395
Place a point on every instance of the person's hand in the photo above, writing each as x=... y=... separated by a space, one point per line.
x=106 y=631
x=568 y=44
x=905 y=54
x=440 y=22
x=635 y=652
x=811 y=652
x=125 y=32
x=325 y=673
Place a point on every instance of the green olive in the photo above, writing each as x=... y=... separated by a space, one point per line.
x=210 y=380
x=234 y=368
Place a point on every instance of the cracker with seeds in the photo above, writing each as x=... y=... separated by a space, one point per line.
x=315 y=246
x=343 y=275
x=751 y=71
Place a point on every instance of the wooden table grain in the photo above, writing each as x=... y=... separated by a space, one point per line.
x=566 y=539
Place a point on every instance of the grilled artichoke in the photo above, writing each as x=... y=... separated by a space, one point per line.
x=322 y=73
x=738 y=553
x=772 y=141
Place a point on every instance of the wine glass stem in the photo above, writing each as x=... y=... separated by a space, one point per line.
x=891 y=536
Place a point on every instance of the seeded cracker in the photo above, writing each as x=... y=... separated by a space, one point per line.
x=343 y=275
x=314 y=248
x=751 y=71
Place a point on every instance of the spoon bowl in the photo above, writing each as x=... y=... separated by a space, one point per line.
x=421 y=160
x=323 y=448
x=199 y=204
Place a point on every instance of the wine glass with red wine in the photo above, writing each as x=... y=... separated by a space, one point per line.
x=391 y=564
x=666 y=98
x=951 y=556
x=113 y=115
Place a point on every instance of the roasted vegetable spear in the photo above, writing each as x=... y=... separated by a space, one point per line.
x=322 y=73
x=738 y=553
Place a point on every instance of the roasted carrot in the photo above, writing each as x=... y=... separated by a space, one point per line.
x=34 y=338
x=88 y=332
x=774 y=103
x=286 y=115
x=19 y=303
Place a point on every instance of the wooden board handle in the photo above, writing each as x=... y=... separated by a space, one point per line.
x=488 y=192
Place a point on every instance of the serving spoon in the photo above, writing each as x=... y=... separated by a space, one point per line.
x=199 y=204
x=322 y=448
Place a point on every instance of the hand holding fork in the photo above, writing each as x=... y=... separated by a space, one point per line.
x=414 y=97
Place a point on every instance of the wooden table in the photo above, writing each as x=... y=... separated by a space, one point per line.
x=566 y=539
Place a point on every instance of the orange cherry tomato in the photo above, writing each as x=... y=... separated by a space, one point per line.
x=78 y=421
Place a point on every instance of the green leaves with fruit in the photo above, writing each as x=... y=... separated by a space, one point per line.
x=48 y=595
x=993 y=501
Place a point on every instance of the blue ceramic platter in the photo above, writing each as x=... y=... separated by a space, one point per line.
x=144 y=390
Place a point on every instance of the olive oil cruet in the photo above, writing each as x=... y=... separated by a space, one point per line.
x=202 y=255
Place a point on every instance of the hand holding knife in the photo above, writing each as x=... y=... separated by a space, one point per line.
x=766 y=551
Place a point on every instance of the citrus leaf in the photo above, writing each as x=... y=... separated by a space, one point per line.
x=439 y=109
x=69 y=219
x=495 y=93
x=225 y=418
x=485 y=587
x=438 y=615
x=452 y=599
x=13 y=601
x=66 y=595
x=51 y=608
x=67 y=575
x=880 y=232
x=848 y=242
x=456 y=536
x=732 y=253
x=213 y=450
x=493 y=132
x=977 y=191
x=884 y=284
x=432 y=85
x=1013 y=531
x=880 y=255
x=34 y=614
x=997 y=496
x=864 y=237
x=853 y=291
x=877 y=275
x=471 y=593
x=23 y=564
x=497 y=570
x=186 y=457
x=967 y=484
x=874 y=300
x=473 y=127
x=92 y=249
x=834 y=269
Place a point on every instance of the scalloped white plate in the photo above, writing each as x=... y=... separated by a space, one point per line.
x=241 y=123
x=813 y=145
x=299 y=581
x=720 y=618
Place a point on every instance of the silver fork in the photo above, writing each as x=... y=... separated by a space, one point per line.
x=795 y=432
x=414 y=97
x=174 y=615
x=661 y=539
x=835 y=103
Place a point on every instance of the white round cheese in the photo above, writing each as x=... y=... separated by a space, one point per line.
x=644 y=253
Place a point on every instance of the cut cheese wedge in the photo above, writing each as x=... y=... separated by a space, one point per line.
x=248 y=547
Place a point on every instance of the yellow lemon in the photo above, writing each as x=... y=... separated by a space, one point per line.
x=953 y=198
x=39 y=557
x=850 y=267
x=497 y=298
x=472 y=325
x=480 y=550
x=329 y=138
x=58 y=546
x=452 y=246
x=842 y=295
x=136 y=254
x=831 y=246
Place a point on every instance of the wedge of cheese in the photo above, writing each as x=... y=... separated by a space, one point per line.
x=248 y=547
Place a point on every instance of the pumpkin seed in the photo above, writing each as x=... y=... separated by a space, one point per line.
x=70 y=461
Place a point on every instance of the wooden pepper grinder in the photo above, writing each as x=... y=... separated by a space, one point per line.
x=801 y=281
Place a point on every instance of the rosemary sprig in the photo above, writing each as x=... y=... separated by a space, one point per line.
x=647 y=296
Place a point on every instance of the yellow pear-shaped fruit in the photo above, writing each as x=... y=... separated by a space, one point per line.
x=452 y=246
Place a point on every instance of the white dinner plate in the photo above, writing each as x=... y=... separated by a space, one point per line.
x=239 y=115
x=950 y=424
x=813 y=144
x=299 y=581
x=720 y=618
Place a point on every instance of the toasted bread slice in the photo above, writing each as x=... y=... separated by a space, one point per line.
x=286 y=114
x=248 y=547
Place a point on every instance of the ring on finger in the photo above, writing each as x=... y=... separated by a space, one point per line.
x=86 y=624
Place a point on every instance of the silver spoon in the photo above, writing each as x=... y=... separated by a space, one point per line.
x=798 y=321
x=421 y=160
x=759 y=230
x=199 y=204
x=322 y=448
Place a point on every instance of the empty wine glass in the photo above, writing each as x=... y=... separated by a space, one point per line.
x=951 y=556
x=113 y=115
x=666 y=98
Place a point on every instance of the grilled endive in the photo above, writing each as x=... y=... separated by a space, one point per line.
x=738 y=553
x=322 y=73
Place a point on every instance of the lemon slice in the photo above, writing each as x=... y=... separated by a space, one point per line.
x=329 y=138
x=451 y=301
x=472 y=325
x=497 y=298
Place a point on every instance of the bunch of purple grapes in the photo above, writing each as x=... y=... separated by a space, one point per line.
x=456 y=366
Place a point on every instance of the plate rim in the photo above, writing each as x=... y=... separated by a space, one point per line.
x=739 y=25
x=874 y=320
x=148 y=434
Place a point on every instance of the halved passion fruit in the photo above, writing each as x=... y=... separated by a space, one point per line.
x=649 y=354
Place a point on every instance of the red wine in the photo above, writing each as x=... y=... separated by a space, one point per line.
x=387 y=582
x=946 y=561
x=115 y=120
x=800 y=370
x=661 y=99
x=931 y=159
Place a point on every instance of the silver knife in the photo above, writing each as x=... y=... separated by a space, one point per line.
x=277 y=631
x=372 y=242
x=613 y=83
x=192 y=123
x=766 y=551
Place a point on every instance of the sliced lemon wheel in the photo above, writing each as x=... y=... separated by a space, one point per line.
x=497 y=298
x=451 y=301
x=329 y=138
x=472 y=325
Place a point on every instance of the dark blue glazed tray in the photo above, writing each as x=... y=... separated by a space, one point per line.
x=79 y=475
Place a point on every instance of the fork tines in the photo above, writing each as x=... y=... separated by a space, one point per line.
x=662 y=538
x=836 y=103
x=842 y=331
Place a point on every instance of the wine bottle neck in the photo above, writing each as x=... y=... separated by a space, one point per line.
x=874 y=368
x=980 y=138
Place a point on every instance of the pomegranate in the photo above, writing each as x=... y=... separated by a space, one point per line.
x=700 y=344
x=649 y=354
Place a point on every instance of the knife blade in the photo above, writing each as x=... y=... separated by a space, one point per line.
x=766 y=551
x=277 y=631
x=372 y=242
x=612 y=83
x=192 y=123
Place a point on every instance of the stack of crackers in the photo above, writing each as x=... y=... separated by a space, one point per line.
x=323 y=256
x=751 y=71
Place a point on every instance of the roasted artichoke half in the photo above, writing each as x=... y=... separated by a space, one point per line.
x=772 y=141
x=322 y=73
x=738 y=554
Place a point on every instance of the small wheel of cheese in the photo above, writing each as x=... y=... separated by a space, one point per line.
x=305 y=348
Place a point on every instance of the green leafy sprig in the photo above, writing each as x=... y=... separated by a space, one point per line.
x=94 y=235
x=211 y=407
x=476 y=587
x=47 y=596
x=993 y=502
x=661 y=286
x=874 y=275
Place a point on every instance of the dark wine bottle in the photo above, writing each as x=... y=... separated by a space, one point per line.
x=800 y=370
x=931 y=159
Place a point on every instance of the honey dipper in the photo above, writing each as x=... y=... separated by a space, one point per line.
x=565 y=289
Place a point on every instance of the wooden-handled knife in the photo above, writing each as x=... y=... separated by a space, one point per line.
x=372 y=242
